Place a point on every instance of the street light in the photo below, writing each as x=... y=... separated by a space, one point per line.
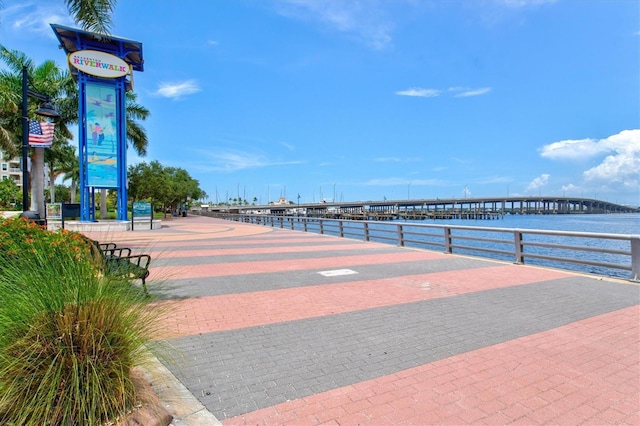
x=46 y=110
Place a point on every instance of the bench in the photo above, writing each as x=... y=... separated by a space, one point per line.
x=119 y=262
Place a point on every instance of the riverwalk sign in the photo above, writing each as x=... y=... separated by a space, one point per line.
x=103 y=68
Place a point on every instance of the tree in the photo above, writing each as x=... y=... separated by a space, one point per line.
x=47 y=79
x=92 y=15
x=9 y=192
x=168 y=187
x=72 y=171
x=147 y=182
x=60 y=158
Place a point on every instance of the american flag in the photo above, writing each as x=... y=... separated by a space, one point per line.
x=40 y=134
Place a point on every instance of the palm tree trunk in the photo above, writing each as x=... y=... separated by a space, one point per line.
x=52 y=186
x=103 y=204
x=73 y=191
x=37 y=181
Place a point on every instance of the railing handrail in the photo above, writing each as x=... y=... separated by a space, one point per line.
x=341 y=228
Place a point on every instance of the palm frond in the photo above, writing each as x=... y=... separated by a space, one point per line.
x=92 y=15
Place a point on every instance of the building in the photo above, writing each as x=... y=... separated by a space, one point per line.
x=10 y=168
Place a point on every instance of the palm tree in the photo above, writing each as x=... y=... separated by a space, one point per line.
x=60 y=158
x=46 y=78
x=72 y=171
x=92 y=15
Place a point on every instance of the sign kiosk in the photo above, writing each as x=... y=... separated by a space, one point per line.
x=103 y=68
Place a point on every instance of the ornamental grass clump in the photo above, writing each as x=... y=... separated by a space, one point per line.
x=69 y=336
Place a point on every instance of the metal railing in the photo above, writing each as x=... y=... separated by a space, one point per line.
x=615 y=255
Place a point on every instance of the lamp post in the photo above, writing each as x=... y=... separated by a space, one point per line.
x=47 y=110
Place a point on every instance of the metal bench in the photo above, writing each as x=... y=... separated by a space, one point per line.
x=119 y=262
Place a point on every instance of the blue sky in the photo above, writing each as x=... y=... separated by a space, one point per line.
x=373 y=99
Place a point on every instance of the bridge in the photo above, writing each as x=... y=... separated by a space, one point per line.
x=439 y=208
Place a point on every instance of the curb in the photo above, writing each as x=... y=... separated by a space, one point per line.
x=176 y=398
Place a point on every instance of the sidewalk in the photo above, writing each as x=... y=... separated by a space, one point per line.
x=273 y=326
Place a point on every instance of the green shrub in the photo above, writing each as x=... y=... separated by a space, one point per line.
x=68 y=336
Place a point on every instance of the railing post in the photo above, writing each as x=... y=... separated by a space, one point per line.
x=304 y=221
x=400 y=235
x=321 y=225
x=366 y=231
x=341 y=228
x=292 y=220
x=635 y=257
x=447 y=240
x=517 y=243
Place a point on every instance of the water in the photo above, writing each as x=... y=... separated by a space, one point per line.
x=601 y=223
x=625 y=224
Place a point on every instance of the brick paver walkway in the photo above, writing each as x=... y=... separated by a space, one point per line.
x=273 y=326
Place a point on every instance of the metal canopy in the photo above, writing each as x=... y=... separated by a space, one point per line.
x=74 y=39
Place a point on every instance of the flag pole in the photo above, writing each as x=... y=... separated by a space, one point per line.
x=25 y=140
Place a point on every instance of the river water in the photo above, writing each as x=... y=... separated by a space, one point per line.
x=625 y=224
x=601 y=223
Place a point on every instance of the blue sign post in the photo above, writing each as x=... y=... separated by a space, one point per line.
x=103 y=68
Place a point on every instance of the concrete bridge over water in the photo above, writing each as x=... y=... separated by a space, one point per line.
x=441 y=208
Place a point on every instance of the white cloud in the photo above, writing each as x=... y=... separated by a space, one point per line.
x=625 y=142
x=569 y=188
x=288 y=146
x=525 y=3
x=29 y=17
x=178 y=90
x=622 y=169
x=458 y=92
x=362 y=20
x=419 y=92
x=228 y=160
x=473 y=92
x=538 y=183
x=621 y=156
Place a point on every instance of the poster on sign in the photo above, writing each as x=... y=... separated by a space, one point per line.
x=101 y=131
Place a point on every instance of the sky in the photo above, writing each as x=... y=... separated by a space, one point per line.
x=358 y=100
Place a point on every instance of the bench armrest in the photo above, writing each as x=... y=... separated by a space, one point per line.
x=140 y=260
x=117 y=252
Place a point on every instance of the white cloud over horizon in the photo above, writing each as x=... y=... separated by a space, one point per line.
x=619 y=154
x=538 y=183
